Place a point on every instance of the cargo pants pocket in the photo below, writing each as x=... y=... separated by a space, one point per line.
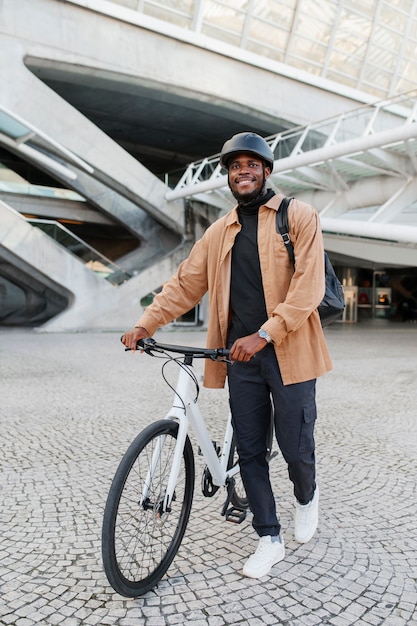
x=307 y=429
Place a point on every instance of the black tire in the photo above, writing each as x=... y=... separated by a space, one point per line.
x=239 y=498
x=270 y=439
x=137 y=545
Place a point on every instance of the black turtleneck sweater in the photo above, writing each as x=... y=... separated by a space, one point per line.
x=247 y=299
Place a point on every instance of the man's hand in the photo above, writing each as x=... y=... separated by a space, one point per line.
x=131 y=337
x=244 y=348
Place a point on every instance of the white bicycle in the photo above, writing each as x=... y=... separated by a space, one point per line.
x=150 y=498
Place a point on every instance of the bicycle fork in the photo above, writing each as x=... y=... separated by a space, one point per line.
x=165 y=503
x=188 y=413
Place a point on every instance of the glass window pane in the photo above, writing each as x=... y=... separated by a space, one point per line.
x=376 y=76
x=413 y=30
x=393 y=18
x=216 y=33
x=183 y=6
x=382 y=57
x=314 y=29
x=265 y=51
x=297 y=32
x=323 y=10
x=364 y=7
x=410 y=51
x=404 y=84
x=314 y=52
x=388 y=39
x=278 y=13
x=345 y=64
x=404 y=5
x=408 y=68
x=407 y=77
x=227 y=18
x=304 y=64
x=349 y=46
x=11 y=127
x=340 y=78
x=175 y=12
x=354 y=25
x=167 y=16
x=265 y=33
x=221 y=12
x=130 y=4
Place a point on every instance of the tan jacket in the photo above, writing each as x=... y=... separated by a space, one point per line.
x=291 y=297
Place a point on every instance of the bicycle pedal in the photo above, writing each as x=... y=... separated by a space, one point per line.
x=236 y=516
x=272 y=455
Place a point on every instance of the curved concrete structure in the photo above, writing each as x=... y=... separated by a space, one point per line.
x=104 y=100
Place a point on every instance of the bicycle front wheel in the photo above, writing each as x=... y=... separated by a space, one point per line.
x=139 y=540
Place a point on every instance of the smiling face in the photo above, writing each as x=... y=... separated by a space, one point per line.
x=247 y=175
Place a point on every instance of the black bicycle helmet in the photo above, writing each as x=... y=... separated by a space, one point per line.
x=247 y=142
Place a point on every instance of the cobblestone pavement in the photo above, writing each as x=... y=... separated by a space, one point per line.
x=71 y=404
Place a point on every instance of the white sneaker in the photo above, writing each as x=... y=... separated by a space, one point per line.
x=306 y=518
x=266 y=555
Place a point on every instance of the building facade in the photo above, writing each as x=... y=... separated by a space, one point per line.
x=112 y=114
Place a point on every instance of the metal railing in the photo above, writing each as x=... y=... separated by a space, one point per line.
x=92 y=259
x=348 y=128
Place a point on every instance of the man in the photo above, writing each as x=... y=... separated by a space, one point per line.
x=266 y=313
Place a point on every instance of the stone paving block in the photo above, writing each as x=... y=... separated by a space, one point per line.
x=215 y=621
x=70 y=415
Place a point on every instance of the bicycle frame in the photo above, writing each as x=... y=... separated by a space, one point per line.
x=189 y=414
x=141 y=535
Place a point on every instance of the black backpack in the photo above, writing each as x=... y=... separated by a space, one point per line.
x=333 y=303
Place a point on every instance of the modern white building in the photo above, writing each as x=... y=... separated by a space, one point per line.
x=112 y=114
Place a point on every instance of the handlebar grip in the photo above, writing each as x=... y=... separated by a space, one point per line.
x=149 y=345
x=140 y=344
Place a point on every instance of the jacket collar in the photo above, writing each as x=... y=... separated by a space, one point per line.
x=272 y=203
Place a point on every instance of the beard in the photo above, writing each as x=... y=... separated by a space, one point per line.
x=245 y=198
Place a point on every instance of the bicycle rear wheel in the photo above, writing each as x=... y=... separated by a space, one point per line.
x=239 y=498
x=138 y=542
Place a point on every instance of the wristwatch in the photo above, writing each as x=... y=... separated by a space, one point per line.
x=262 y=333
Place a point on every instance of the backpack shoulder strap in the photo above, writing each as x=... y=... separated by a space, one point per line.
x=283 y=228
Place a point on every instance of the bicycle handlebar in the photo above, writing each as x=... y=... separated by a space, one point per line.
x=149 y=345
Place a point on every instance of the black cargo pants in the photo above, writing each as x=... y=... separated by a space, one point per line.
x=252 y=385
